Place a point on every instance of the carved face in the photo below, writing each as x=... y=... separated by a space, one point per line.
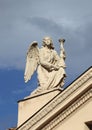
x=48 y=41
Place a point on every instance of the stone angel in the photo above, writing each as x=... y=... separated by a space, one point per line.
x=49 y=65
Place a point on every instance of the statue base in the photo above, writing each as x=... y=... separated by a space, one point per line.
x=32 y=104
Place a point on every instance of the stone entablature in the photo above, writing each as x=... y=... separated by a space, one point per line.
x=87 y=96
x=32 y=104
x=79 y=92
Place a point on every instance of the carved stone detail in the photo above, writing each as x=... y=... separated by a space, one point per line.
x=49 y=65
x=69 y=111
x=60 y=98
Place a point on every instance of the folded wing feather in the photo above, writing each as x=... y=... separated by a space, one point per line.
x=32 y=61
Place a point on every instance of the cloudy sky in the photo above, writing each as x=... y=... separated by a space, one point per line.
x=23 y=21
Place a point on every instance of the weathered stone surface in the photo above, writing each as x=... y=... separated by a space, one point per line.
x=50 y=66
x=70 y=109
x=32 y=104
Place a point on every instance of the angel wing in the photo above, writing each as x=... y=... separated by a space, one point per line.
x=32 y=61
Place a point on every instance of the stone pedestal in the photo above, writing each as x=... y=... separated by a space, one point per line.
x=32 y=104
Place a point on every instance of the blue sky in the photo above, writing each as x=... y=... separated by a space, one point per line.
x=23 y=21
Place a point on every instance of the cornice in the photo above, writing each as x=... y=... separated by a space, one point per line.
x=63 y=115
x=31 y=122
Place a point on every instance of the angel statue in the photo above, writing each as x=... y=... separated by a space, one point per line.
x=49 y=65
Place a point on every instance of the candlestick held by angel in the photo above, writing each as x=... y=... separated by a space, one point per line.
x=49 y=65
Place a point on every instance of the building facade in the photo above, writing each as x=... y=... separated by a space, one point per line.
x=70 y=109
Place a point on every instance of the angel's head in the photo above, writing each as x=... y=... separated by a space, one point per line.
x=47 y=41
